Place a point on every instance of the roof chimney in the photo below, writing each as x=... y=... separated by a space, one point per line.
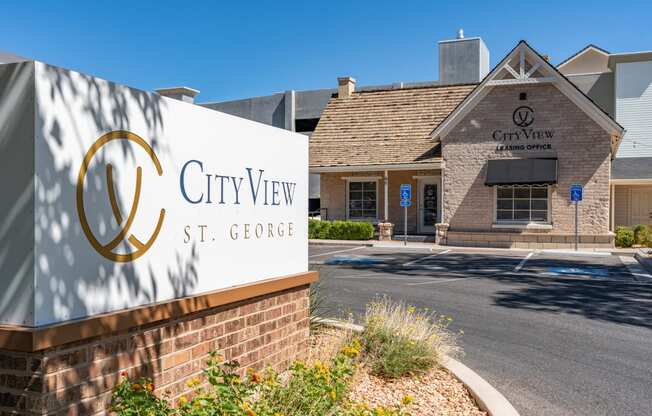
x=184 y=94
x=462 y=60
x=345 y=87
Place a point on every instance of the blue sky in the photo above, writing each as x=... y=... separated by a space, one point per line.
x=239 y=49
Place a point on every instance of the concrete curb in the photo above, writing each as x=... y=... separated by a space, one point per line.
x=486 y=396
x=644 y=260
x=365 y=243
x=469 y=249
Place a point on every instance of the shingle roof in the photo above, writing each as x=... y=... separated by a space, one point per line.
x=631 y=168
x=384 y=126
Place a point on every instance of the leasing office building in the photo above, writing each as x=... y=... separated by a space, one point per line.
x=620 y=84
x=492 y=163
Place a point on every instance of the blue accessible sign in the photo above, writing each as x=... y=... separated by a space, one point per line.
x=406 y=194
x=406 y=191
x=576 y=193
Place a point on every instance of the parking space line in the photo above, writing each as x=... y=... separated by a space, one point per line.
x=634 y=268
x=335 y=252
x=522 y=263
x=410 y=263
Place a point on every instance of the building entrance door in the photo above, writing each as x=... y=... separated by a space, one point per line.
x=428 y=200
x=641 y=206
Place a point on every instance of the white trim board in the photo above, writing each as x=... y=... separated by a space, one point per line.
x=375 y=168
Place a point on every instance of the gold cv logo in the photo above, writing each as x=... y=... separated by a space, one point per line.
x=106 y=250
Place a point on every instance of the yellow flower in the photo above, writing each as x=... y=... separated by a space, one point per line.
x=333 y=395
x=183 y=400
x=407 y=400
x=247 y=409
x=137 y=386
x=193 y=382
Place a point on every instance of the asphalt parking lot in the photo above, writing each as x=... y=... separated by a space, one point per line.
x=558 y=334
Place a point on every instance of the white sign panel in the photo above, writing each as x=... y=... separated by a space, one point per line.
x=140 y=198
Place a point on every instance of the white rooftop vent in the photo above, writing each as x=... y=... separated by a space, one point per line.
x=460 y=34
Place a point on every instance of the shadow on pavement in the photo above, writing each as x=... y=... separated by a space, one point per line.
x=610 y=301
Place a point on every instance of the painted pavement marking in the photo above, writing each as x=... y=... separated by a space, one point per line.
x=634 y=268
x=522 y=263
x=335 y=252
x=413 y=262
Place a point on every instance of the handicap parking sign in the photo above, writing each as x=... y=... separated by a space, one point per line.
x=576 y=193
x=406 y=192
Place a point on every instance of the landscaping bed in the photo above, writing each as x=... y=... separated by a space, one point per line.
x=391 y=368
x=436 y=392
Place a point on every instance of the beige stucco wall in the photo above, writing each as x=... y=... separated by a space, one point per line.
x=581 y=146
x=622 y=202
x=333 y=195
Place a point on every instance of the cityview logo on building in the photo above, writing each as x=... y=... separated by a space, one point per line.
x=523 y=117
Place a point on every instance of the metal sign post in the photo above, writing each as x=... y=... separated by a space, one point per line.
x=576 y=192
x=577 y=228
x=406 y=196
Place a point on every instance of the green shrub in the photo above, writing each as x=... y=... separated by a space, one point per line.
x=640 y=234
x=624 y=237
x=340 y=230
x=318 y=229
x=399 y=340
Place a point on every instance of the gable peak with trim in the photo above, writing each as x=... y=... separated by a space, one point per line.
x=525 y=66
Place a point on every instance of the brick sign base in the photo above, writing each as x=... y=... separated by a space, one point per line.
x=78 y=377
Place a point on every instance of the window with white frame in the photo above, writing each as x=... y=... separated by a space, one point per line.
x=362 y=199
x=522 y=204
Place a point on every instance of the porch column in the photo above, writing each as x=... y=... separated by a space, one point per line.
x=386 y=210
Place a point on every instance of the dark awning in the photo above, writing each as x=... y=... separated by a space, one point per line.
x=521 y=172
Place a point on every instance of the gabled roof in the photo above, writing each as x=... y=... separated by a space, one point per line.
x=383 y=127
x=578 y=54
x=532 y=69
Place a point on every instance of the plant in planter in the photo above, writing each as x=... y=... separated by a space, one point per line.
x=401 y=340
x=624 y=237
x=640 y=234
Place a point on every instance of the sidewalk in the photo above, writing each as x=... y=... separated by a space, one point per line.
x=376 y=243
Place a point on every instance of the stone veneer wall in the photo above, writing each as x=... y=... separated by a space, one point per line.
x=581 y=146
x=526 y=240
x=77 y=379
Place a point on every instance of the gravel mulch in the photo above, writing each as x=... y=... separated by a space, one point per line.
x=435 y=393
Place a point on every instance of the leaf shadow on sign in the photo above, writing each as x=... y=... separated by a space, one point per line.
x=71 y=279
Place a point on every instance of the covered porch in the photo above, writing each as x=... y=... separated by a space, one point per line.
x=373 y=195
